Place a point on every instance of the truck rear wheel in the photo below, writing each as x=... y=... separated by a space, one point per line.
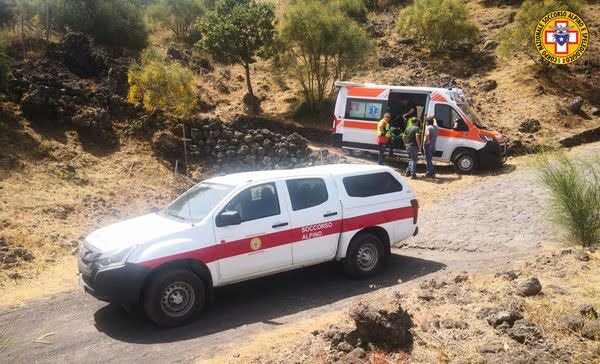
x=174 y=298
x=364 y=257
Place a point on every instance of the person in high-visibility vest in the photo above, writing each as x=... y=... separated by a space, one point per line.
x=384 y=134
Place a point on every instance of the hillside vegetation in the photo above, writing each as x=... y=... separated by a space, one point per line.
x=92 y=128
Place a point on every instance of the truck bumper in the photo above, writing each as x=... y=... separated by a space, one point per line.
x=122 y=285
x=492 y=154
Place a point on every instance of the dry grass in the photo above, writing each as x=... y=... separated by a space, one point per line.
x=47 y=207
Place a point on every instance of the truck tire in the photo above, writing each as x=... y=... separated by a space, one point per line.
x=465 y=162
x=365 y=256
x=174 y=297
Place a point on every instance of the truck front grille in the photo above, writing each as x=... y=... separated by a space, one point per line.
x=87 y=258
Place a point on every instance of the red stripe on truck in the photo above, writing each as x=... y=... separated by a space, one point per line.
x=242 y=246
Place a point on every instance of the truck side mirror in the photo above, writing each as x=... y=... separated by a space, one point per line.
x=228 y=218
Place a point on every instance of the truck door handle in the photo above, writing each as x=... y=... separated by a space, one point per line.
x=281 y=224
x=327 y=214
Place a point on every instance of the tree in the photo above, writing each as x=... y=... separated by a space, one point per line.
x=440 y=23
x=112 y=22
x=238 y=31
x=4 y=65
x=319 y=45
x=178 y=16
x=158 y=83
x=518 y=37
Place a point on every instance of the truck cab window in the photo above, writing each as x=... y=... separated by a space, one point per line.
x=446 y=116
x=373 y=184
x=307 y=192
x=256 y=202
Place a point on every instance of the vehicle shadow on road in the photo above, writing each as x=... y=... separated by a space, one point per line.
x=264 y=300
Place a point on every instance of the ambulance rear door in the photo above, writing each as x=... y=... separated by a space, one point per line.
x=364 y=108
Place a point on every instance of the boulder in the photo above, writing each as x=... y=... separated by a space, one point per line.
x=166 y=144
x=529 y=287
x=78 y=56
x=524 y=331
x=583 y=256
x=383 y=326
x=530 y=126
x=591 y=330
x=500 y=315
x=96 y=121
x=509 y=275
x=575 y=319
x=37 y=103
x=488 y=85
x=575 y=104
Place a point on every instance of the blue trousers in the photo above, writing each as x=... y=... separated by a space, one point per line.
x=429 y=152
x=413 y=154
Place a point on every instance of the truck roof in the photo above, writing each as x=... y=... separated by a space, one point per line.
x=237 y=179
x=455 y=94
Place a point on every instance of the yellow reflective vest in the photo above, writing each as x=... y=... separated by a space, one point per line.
x=384 y=133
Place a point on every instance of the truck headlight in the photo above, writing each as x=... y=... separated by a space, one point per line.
x=486 y=138
x=115 y=258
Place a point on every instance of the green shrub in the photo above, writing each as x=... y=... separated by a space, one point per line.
x=518 y=37
x=160 y=84
x=382 y=5
x=320 y=44
x=238 y=31
x=355 y=9
x=574 y=187
x=178 y=16
x=111 y=22
x=6 y=12
x=4 y=65
x=440 y=23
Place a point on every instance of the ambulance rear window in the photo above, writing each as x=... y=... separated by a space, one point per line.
x=371 y=184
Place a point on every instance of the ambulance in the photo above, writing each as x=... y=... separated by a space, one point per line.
x=241 y=226
x=463 y=139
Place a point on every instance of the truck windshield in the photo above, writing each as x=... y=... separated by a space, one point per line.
x=197 y=202
x=472 y=115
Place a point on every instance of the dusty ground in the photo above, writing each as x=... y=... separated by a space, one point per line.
x=80 y=328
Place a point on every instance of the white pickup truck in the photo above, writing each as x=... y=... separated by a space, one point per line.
x=241 y=226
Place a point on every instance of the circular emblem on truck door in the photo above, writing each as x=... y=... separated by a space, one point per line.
x=255 y=243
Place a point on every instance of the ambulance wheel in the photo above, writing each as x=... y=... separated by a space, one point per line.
x=465 y=162
x=364 y=257
x=174 y=298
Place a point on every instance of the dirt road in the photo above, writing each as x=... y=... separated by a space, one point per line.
x=486 y=225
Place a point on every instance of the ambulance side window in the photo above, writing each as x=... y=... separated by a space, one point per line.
x=256 y=202
x=362 y=109
x=307 y=192
x=445 y=116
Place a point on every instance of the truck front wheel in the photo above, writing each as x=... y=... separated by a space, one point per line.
x=174 y=298
x=465 y=162
x=364 y=257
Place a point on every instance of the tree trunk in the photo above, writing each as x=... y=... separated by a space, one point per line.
x=248 y=83
x=252 y=101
